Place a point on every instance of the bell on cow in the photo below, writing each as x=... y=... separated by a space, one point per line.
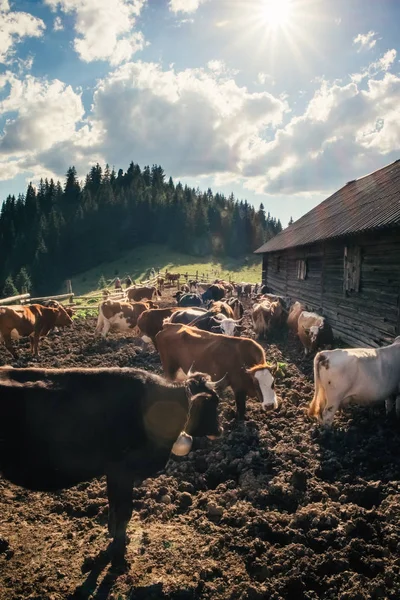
x=183 y=444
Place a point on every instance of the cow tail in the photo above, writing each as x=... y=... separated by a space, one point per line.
x=319 y=400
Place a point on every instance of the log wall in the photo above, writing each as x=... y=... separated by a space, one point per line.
x=367 y=318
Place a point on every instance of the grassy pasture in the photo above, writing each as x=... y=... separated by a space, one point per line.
x=139 y=261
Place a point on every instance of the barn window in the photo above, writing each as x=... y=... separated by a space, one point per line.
x=277 y=264
x=352 y=268
x=301 y=268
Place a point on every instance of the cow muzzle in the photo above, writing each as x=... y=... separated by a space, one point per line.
x=271 y=405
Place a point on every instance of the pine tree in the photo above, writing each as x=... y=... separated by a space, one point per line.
x=9 y=288
x=23 y=281
x=290 y=220
x=102 y=283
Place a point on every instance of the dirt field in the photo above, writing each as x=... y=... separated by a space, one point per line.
x=277 y=509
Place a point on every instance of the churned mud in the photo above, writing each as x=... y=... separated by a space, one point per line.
x=279 y=508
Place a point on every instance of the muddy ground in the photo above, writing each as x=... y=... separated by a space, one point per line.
x=277 y=509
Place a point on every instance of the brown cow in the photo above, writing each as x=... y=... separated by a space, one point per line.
x=237 y=308
x=266 y=315
x=293 y=318
x=150 y=322
x=221 y=307
x=314 y=332
x=142 y=293
x=34 y=321
x=240 y=361
x=121 y=316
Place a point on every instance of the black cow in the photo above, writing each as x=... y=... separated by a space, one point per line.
x=186 y=316
x=215 y=292
x=188 y=299
x=59 y=427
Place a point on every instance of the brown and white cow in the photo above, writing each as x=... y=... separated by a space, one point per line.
x=266 y=315
x=314 y=331
x=35 y=321
x=241 y=362
x=121 y=316
x=293 y=317
x=141 y=293
x=359 y=375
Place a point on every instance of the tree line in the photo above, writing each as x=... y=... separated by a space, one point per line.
x=54 y=232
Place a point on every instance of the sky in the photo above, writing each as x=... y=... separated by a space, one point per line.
x=278 y=101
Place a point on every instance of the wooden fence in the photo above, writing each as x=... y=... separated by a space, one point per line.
x=116 y=294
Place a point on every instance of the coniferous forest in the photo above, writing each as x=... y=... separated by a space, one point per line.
x=56 y=231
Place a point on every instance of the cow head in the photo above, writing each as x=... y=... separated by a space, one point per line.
x=264 y=385
x=313 y=334
x=177 y=295
x=63 y=317
x=230 y=326
x=203 y=417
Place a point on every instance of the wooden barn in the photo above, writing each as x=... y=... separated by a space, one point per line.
x=343 y=259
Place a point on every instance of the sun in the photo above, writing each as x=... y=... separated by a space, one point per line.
x=276 y=13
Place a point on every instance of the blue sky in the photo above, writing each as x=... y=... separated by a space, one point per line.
x=279 y=101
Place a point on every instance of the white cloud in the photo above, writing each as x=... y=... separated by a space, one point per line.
x=382 y=64
x=345 y=132
x=186 y=6
x=263 y=78
x=104 y=28
x=14 y=26
x=201 y=123
x=42 y=114
x=365 y=41
x=192 y=122
x=58 y=25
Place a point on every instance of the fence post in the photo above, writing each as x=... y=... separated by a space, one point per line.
x=69 y=286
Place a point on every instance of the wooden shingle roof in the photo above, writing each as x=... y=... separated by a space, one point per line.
x=369 y=203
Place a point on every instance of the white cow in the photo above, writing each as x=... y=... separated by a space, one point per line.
x=359 y=375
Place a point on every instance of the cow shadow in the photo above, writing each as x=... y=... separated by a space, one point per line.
x=91 y=589
x=95 y=567
x=361 y=445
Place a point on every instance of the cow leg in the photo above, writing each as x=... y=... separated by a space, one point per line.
x=240 y=399
x=106 y=328
x=34 y=340
x=119 y=492
x=329 y=411
x=8 y=344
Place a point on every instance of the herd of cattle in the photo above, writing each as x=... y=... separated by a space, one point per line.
x=59 y=427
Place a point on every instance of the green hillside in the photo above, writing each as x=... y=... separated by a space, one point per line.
x=139 y=261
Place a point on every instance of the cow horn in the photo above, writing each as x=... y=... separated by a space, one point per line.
x=239 y=320
x=219 y=383
x=190 y=372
